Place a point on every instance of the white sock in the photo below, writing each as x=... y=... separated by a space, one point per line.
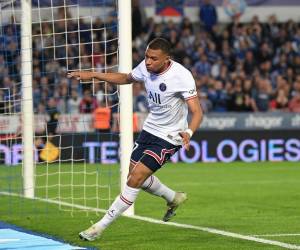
x=121 y=203
x=153 y=186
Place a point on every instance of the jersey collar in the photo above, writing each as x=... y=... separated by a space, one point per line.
x=161 y=73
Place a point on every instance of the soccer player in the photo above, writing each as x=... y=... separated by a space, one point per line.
x=171 y=93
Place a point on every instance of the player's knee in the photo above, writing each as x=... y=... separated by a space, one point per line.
x=135 y=181
x=131 y=167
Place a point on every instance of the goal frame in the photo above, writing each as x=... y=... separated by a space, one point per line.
x=126 y=112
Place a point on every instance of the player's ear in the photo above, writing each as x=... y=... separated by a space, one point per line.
x=168 y=58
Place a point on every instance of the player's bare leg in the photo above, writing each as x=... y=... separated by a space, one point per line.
x=135 y=180
x=154 y=186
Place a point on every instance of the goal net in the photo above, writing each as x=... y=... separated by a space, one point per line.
x=75 y=124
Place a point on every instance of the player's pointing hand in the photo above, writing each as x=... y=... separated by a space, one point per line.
x=80 y=75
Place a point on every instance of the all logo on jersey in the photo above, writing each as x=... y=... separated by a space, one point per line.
x=154 y=97
x=162 y=87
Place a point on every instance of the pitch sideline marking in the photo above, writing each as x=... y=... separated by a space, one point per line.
x=174 y=224
x=276 y=235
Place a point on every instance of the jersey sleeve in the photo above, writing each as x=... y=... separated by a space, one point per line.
x=137 y=72
x=188 y=89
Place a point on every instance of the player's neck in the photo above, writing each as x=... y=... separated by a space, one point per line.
x=165 y=68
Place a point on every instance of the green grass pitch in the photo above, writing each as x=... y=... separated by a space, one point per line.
x=243 y=198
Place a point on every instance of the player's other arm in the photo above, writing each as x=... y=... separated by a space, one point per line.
x=115 y=78
x=196 y=113
x=196 y=118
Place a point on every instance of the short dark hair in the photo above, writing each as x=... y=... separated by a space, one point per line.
x=160 y=43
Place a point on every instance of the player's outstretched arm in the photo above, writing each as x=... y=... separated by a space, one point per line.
x=196 y=118
x=115 y=78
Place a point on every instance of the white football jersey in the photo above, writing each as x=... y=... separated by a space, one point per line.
x=167 y=94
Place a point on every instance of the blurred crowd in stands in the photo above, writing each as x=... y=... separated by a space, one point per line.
x=238 y=67
x=241 y=67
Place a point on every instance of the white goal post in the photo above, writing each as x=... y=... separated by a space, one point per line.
x=126 y=116
x=27 y=101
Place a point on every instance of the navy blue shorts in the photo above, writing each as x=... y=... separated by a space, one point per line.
x=152 y=151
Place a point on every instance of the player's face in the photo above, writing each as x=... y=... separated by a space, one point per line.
x=156 y=60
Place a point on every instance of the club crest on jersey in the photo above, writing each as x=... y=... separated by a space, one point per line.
x=162 y=87
x=192 y=91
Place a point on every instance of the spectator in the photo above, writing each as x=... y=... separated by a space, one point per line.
x=218 y=96
x=138 y=17
x=265 y=53
x=280 y=102
x=265 y=69
x=237 y=98
x=205 y=103
x=187 y=38
x=212 y=54
x=226 y=55
x=262 y=95
x=294 y=104
x=208 y=15
x=173 y=38
x=249 y=104
x=135 y=57
x=156 y=32
x=73 y=103
x=98 y=58
x=203 y=67
x=88 y=104
x=249 y=63
x=179 y=52
x=41 y=109
x=296 y=87
x=102 y=118
x=140 y=103
x=168 y=27
x=290 y=75
x=186 y=24
x=53 y=117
